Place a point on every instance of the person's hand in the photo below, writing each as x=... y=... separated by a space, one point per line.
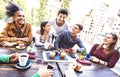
x=94 y=59
x=51 y=45
x=14 y=57
x=26 y=39
x=5 y=43
x=74 y=50
x=45 y=72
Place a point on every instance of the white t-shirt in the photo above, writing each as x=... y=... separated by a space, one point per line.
x=55 y=29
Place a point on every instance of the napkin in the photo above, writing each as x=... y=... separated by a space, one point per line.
x=84 y=62
x=31 y=55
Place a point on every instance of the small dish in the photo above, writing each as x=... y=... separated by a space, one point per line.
x=18 y=47
x=39 y=44
x=28 y=64
x=78 y=71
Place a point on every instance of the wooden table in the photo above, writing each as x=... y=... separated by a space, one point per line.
x=9 y=70
x=95 y=70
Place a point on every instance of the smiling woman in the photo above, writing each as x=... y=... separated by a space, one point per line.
x=105 y=53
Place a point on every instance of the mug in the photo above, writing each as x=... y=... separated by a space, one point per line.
x=23 y=58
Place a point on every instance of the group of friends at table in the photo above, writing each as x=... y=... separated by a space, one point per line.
x=58 y=34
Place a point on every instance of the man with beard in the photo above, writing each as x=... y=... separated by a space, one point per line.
x=17 y=31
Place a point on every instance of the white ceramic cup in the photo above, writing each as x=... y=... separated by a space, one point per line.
x=21 y=45
x=23 y=58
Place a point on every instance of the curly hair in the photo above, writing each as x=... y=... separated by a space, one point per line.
x=11 y=8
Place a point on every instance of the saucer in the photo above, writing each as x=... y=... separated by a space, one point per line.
x=39 y=44
x=23 y=67
x=18 y=47
x=80 y=71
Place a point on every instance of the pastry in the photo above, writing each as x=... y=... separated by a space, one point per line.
x=62 y=55
x=78 y=67
x=52 y=54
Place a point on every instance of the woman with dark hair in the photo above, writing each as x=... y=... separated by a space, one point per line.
x=45 y=35
x=18 y=31
x=105 y=53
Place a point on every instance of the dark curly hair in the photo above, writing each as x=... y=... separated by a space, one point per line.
x=11 y=8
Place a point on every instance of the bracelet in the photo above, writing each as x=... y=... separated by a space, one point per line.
x=105 y=63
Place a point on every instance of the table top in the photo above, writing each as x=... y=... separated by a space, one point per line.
x=9 y=70
x=93 y=70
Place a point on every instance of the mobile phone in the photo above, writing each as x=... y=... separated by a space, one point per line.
x=49 y=66
x=72 y=55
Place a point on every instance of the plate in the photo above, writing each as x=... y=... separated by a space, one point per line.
x=23 y=67
x=78 y=71
x=57 y=58
x=18 y=47
x=39 y=44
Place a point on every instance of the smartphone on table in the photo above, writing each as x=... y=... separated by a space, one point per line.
x=50 y=66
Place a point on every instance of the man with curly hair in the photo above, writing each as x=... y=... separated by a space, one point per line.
x=18 y=31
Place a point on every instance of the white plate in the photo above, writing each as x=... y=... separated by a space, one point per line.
x=39 y=43
x=18 y=47
x=23 y=67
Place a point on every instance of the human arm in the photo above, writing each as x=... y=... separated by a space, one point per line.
x=43 y=73
x=4 y=58
x=8 y=58
x=58 y=39
x=112 y=60
x=81 y=46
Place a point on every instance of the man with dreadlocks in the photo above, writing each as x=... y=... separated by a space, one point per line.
x=18 y=31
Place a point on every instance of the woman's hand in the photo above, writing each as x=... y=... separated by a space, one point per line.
x=14 y=57
x=94 y=59
x=45 y=73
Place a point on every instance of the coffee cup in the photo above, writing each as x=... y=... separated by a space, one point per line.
x=21 y=45
x=23 y=58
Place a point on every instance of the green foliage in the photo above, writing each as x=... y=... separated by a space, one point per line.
x=66 y=4
x=2 y=9
x=35 y=14
x=21 y=3
x=83 y=53
x=42 y=10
